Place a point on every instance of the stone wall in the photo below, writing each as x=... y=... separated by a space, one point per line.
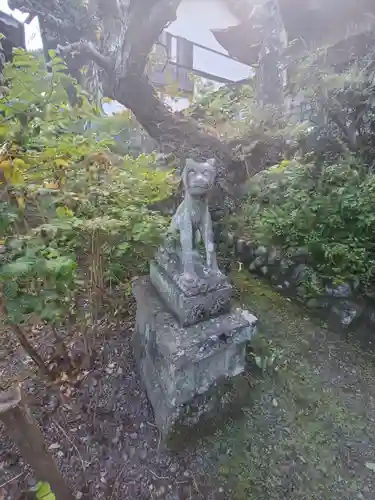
x=341 y=304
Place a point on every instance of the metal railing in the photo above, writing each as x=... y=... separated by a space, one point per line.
x=177 y=72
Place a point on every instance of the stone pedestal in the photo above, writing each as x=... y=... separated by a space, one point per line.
x=179 y=364
x=190 y=302
x=188 y=343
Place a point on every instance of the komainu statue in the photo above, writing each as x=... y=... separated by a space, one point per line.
x=192 y=218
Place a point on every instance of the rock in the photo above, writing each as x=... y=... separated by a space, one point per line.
x=301 y=292
x=286 y=284
x=342 y=291
x=173 y=468
x=142 y=453
x=284 y=265
x=230 y=238
x=240 y=245
x=131 y=451
x=274 y=256
x=348 y=316
x=301 y=272
x=261 y=251
x=247 y=253
x=134 y=435
x=347 y=312
x=371 y=316
x=300 y=252
x=370 y=293
x=257 y=263
x=264 y=270
x=312 y=303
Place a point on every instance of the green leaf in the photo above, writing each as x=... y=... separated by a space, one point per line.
x=43 y=492
x=63 y=212
x=19 y=268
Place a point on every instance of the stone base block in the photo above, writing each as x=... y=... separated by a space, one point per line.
x=181 y=425
x=181 y=366
x=191 y=303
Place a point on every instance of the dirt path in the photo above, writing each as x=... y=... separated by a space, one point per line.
x=309 y=430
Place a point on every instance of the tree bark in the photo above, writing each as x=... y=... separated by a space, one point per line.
x=23 y=430
x=269 y=80
x=173 y=132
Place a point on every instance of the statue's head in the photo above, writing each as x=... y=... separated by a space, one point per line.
x=198 y=178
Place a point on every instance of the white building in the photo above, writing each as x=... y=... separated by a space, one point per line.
x=188 y=46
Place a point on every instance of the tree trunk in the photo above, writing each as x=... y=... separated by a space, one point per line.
x=269 y=78
x=23 y=430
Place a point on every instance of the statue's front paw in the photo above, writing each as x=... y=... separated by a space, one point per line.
x=189 y=277
x=212 y=265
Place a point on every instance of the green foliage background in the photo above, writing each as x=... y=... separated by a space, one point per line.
x=327 y=210
x=74 y=217
x=322 y=200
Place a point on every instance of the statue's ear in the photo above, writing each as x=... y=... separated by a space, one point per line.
x=184 y=175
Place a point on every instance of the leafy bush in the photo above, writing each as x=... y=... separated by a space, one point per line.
x=328 y=210
x=74 y=218
x=337 y=103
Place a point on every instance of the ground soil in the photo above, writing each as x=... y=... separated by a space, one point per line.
x=307 y=432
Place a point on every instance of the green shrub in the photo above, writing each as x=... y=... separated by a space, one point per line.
x=329 y=210
x=74 y=219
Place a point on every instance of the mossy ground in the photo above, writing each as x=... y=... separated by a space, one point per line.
x=309 y=429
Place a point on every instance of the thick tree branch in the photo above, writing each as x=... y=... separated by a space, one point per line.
x=150 y=27
x=87 y=49
x=173 y=132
